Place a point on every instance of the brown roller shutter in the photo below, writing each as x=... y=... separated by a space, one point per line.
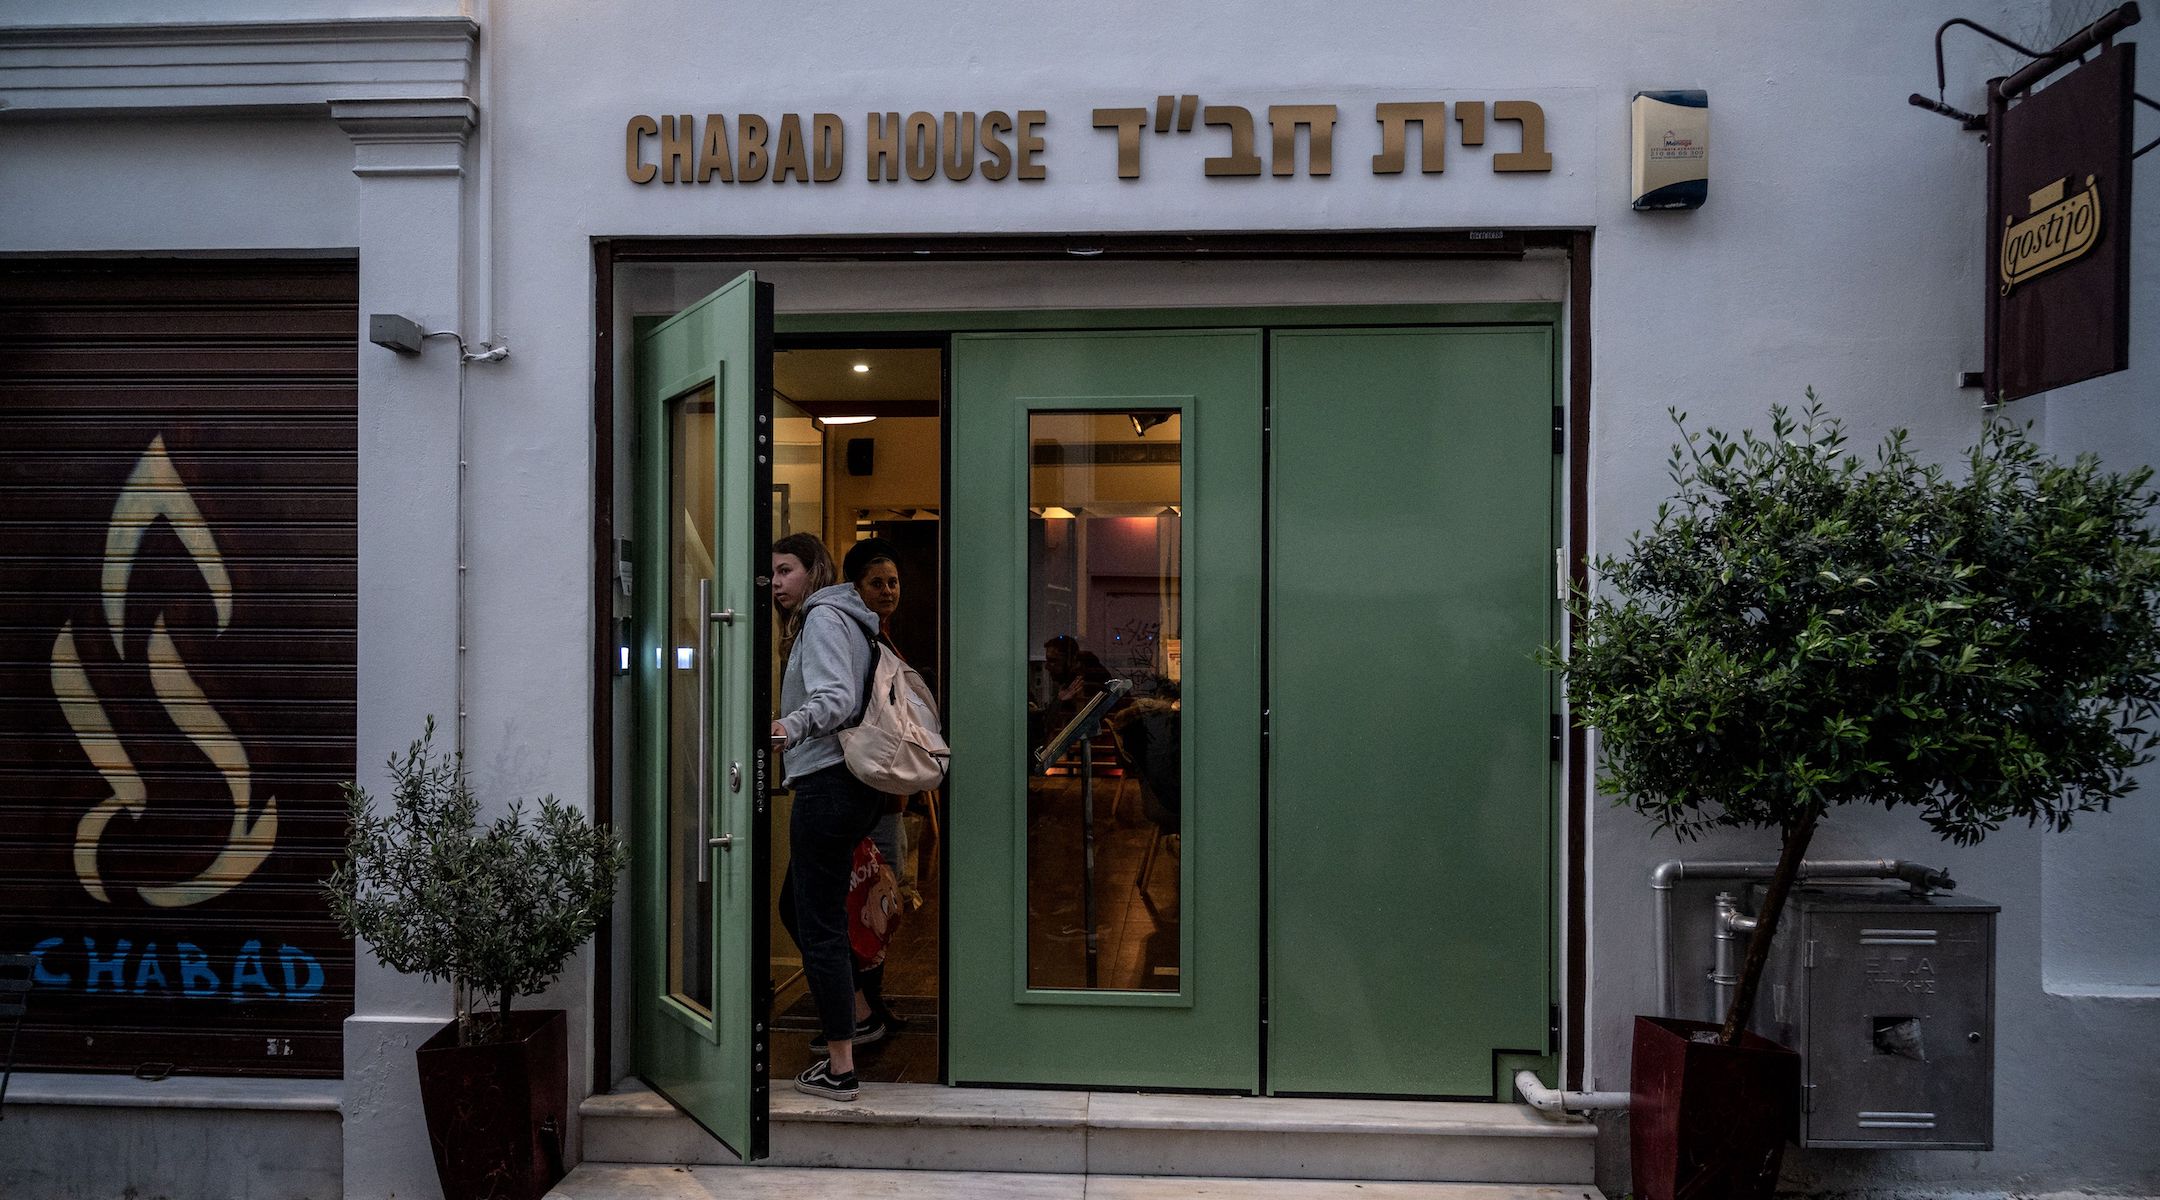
x=177 y=574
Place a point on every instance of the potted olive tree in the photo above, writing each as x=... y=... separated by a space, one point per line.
x=495 y=910
x=1801 y=630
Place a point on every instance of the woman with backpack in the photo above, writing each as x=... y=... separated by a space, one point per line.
x=826 y=634
x=869 y=566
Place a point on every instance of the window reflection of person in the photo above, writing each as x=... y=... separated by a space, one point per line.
x=1074 y=676
x=871 y=566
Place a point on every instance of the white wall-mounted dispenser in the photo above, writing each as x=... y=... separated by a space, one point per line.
x=1671 y=157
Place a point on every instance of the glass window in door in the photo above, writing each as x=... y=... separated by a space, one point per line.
x=691 y=460
x=1105 y=762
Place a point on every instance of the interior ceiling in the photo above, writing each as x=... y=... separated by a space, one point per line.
x=825 y=383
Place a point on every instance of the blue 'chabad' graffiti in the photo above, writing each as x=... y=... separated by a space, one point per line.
x=125 y=972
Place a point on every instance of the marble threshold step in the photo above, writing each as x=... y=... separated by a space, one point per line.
x=609 y=1181
x=928 y=1127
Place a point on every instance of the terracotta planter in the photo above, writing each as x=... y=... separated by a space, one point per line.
x=1709 y=1122
x=496 y=1113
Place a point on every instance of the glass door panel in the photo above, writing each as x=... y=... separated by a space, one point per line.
x=691 y=501
x=1102 y=755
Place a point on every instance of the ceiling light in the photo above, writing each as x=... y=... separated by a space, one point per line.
x=855 y=420
x=862 y=368
x=1142 y=422
x=1058 y=513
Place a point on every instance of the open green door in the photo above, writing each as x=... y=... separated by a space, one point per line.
x=704 y=404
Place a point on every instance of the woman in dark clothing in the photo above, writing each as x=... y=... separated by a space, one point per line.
x=825 y=641
x=869 y=567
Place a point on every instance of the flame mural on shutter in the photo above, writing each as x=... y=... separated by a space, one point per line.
x=154 y=489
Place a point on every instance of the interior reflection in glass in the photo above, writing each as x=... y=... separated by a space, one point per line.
x=691 y=503
x=1104 y=760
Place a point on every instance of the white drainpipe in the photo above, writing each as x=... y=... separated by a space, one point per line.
x=1555 y=1103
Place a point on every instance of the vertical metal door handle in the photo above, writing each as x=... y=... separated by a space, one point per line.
x=704 y=748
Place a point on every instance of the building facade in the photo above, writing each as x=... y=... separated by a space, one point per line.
x=1281 y=365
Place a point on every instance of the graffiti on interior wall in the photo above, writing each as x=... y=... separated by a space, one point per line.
x=154 y=490
x=1134 y=643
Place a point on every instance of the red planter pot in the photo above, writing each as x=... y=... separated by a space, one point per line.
x=1709 y=1122
x=497 y=1113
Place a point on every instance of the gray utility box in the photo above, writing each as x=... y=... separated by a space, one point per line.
x=1889 y=997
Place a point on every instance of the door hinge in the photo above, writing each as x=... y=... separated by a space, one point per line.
x=1267 y=725
x=1807 y=1097
x=1557 y=733
x=1809 y=961
x=1552 y=1030
x=1559 y=430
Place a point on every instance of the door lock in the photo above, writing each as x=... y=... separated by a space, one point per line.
x=734 y=777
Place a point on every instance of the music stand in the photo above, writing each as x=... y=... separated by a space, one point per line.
x=1082 y=728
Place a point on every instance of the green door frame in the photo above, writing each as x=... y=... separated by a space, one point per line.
x=1574 y=246
x=1570 y=412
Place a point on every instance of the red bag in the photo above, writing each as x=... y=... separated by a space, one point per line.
x=873 y=905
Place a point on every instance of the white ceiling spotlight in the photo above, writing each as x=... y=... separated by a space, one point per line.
x=862 y=368
x=859 y=419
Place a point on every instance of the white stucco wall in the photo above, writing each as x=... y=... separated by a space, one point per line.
x=1841 y=249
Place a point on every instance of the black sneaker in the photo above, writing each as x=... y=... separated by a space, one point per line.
x=869 y=1029
x=818 y=1080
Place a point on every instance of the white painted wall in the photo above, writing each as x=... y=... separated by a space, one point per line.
x=1841 y=248
x=151 y=184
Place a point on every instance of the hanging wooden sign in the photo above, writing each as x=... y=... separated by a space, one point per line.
x=2059 y=230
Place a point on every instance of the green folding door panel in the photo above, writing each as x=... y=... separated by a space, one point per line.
x=1409 y=822
x=703 y=388
x=1201 y=1028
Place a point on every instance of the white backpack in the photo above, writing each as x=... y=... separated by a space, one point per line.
x=895 y=746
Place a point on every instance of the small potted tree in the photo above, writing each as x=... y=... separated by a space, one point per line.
x=1801 y=630
x=495 y=910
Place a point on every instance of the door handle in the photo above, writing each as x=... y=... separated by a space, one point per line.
x=704 y=730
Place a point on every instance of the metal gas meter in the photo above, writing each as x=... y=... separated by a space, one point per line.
x=1889 y=997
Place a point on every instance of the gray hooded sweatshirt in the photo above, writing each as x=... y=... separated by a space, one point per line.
x=822 y=689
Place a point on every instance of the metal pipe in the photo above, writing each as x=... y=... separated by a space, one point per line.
x=1731 y=923
x=2071 y=50
x=1666 y=875
x=1553 y=1102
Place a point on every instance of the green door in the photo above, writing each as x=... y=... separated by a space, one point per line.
x=1105 y=563
x=704 y=412
x=1410 y=798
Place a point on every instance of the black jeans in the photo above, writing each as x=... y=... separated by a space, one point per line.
x=834 y=812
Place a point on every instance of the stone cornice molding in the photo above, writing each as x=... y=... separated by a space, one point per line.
x=241 y=67
x=407 y=136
